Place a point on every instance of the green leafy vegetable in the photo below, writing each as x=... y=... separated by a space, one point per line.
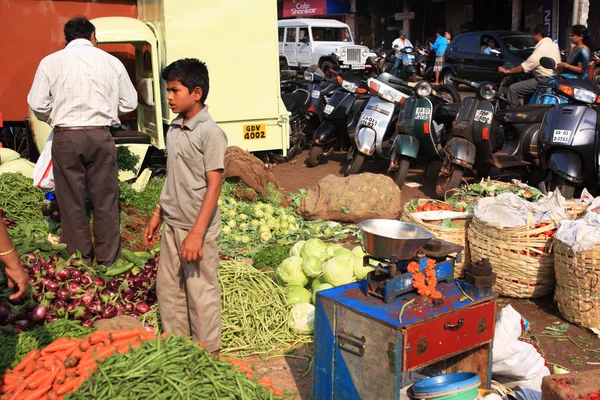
x=270 y=256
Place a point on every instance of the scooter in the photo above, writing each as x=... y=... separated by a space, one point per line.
x=339 y=117
x=423 y=128
x=377 y=122
x=569 y=148
x=503 y=139
x=408 y=69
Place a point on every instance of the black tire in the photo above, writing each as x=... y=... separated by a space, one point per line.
x=449 y=178
x=327 y=67
x=449 y=93
x=314 y=156
x=355 y=164
x=400 y=175
x=446 y=78
x=596 y=75
x=387 y=67
x=567 y=189
x=283 y=65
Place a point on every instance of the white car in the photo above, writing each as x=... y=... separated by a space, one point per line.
x=322 y=42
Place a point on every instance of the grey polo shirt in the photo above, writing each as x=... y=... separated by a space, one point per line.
x=193 y=149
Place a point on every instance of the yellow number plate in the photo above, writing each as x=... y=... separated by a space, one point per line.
x=255 y=131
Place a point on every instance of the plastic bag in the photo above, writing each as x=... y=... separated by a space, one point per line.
x=43 y=177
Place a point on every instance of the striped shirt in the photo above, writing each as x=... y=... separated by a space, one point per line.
x=81 y=85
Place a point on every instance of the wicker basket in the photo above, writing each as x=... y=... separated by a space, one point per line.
x=452 y=235
x=577 y=284
x=523 y=269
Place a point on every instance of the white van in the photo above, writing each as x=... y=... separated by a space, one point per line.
x=322 y=42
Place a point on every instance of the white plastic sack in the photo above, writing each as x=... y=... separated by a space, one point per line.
x=516 y=361
x=43 y=177
x=581 y=234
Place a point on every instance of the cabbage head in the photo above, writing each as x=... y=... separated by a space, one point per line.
x=290 y=272
x=343 y=252
x=358 y=252
x=302 y=318
x=339 y=270
x=315 y=247
x=297 y=248
x=319 y=287
x=360 y=271
x=331 y=249
x=312 y=266
x=297 y=294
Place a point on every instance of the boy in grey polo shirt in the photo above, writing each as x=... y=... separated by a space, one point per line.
x=187 y=287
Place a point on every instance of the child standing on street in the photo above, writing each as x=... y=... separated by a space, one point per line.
x=187 y=287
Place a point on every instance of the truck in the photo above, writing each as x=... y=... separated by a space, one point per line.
x=147 y=35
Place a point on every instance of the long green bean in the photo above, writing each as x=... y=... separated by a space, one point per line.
x=20 y=200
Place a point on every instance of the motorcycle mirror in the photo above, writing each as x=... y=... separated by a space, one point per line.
x=548 y=63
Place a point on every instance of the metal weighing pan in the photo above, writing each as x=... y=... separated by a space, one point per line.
x=392 y=240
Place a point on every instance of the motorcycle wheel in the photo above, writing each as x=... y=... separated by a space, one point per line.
x=566 y=188
x=449 y=178
x=314 y=156
x=355 y=164
x=387 y=67
x=400 y=175
x=449 y=93
x=446 y=78
x=596 y=76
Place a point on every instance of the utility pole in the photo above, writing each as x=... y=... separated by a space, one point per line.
x=517 y=8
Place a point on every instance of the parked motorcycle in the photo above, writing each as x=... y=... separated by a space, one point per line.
x=378 y=120
x=485 y=137
x=595 y=67
x=321 y=90
x=569 y=148
x=339 y=117
x=424 y=125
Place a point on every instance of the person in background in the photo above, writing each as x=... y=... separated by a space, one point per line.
x=544 y=48
x=13 y=269
x=80 y=91
x=491 y=45
x=439 y=46
x=398 y=45
x=579 y=58
x=187 y=287
x=449 y=35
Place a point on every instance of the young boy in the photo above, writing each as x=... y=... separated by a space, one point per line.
x=189 y=297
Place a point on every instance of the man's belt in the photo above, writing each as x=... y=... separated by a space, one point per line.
x=80 y=128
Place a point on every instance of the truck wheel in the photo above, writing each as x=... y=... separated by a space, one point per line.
x=314 y=156
x=400 y=175
x=355 y=164
x=449 y=93
x=283 y=65
x=449 y=178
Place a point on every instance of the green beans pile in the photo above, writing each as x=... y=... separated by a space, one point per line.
x=168 y=368
x=255 y=312
x=14 y=347
x=20 y=200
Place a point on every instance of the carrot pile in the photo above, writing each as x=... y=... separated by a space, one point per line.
x=63 y=365
x=244 y=367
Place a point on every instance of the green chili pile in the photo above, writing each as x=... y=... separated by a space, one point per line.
x=20 y=200
x=168 y=368
x=255 y=312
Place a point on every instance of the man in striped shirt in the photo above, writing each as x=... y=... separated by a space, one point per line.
x=81 y=91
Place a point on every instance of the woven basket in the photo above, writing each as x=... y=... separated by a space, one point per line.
x=523 y=269
x=578 y=284
x=576 y=210
x=452 y=235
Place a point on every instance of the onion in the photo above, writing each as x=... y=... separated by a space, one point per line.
x=39 y=313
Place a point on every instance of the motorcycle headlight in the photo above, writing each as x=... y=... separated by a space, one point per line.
x=349 y=86
x=423 y=89
x=487 y=91
x=309 y=76
x=585 y=96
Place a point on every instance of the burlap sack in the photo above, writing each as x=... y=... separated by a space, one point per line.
x=117 y=323
x=241 y=164
x=352 y=199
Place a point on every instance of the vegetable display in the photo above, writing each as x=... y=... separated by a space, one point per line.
x=20 y=200
x=492 y=188
x=169 y=368
x=255 y=312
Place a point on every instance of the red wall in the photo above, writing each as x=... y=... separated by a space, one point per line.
x=32 y=29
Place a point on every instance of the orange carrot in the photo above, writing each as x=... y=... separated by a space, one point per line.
x=33 y=355
x=8 y=387
x=46 y=380
x=52 y=395
x=61 y=375
x=97 y=337
x=35 y=394
x=61 y=356
x=17 y=392
x=28 y=369
x=125 y=334
x=78 y=353
x=10 y=378
x=71 y=362
x=61 y=344
x=70 y=371
x=70 y=386
x=147 y=335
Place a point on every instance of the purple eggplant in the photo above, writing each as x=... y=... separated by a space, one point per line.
x=51 y=270
x=63 y=294
x=87 y=299
x=109 y=312
x=52 y=286
x=112 y=284
x=63 y=275
x=25 y=324
x=75 y=273
x=39 y=313
x=134 y=314
x=95 y=308
x=142 y=307
x=86 y=279
x=88 y=323
x=74 y=287
x=128 y=307
x=36 y=269
x=99 y=281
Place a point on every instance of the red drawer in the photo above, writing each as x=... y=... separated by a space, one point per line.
x=453 y=333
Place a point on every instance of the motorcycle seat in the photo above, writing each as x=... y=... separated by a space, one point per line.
x=294 y=102
x=131 y=137
x=530 y=113
x=386 y=77
x=446 y=111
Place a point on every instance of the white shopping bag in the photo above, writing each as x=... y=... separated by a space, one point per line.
x=42 y=172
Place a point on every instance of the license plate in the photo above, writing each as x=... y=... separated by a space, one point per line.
x=328 y=109
x=316 y=94
x=483 y=116
x=422 y=113
x=358 y=66
x=561 y=136
x=368 y=121
x=255 y=131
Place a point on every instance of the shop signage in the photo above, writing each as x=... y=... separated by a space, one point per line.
x=404 y=16
x=304 y=8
